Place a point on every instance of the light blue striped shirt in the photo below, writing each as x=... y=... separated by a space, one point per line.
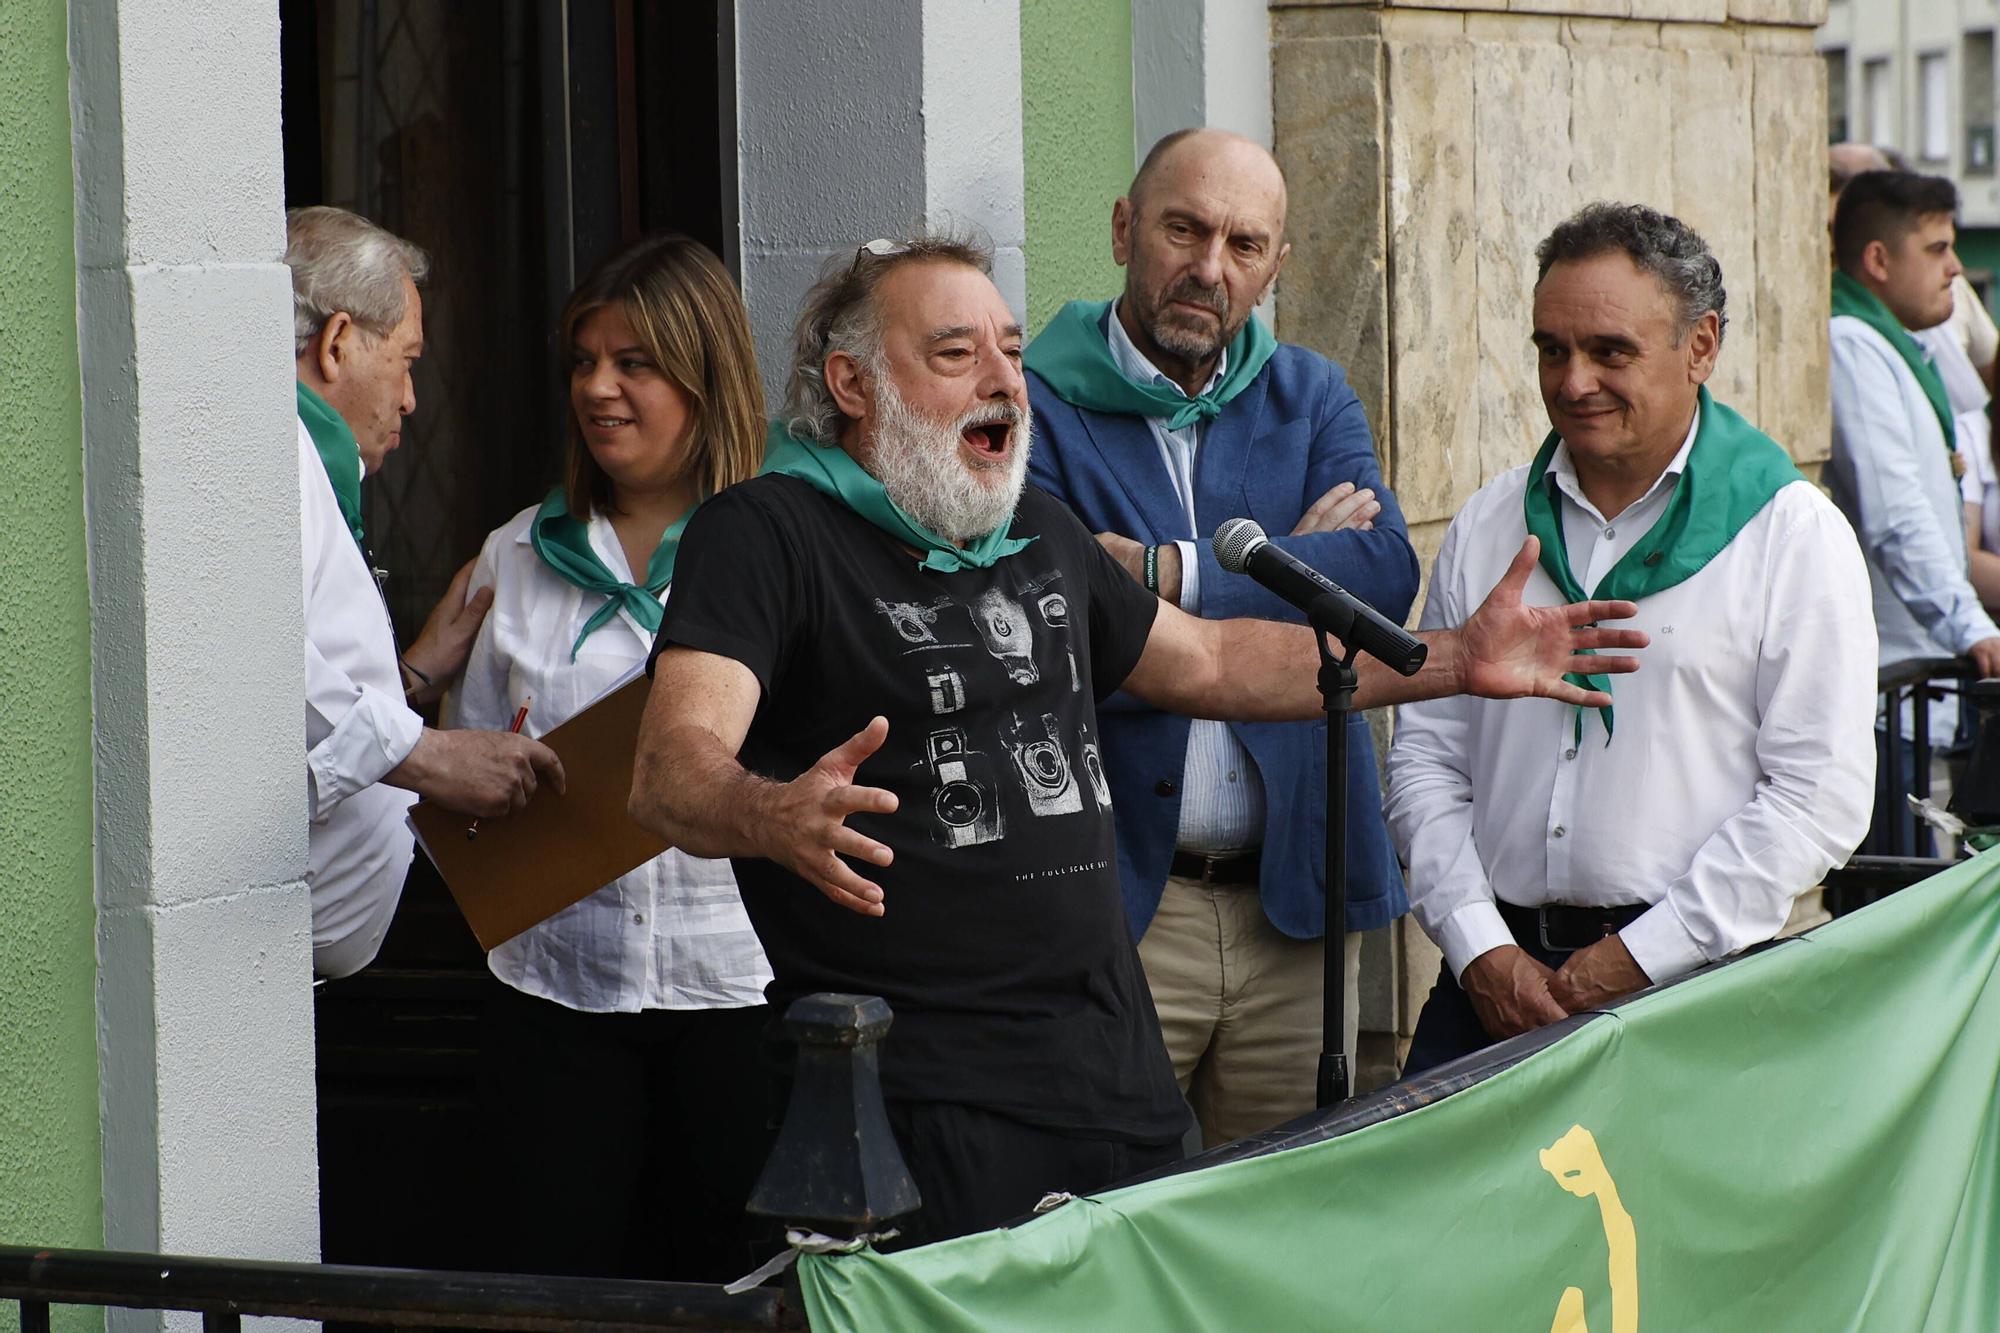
x=1222 y=794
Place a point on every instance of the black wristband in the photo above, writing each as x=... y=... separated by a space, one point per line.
x=1153 y=570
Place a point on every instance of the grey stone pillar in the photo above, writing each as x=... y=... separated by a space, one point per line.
x=905 y=114
x=190 y=462
x=1200 y=62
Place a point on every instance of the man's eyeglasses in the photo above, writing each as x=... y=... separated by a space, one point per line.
x=879 y=248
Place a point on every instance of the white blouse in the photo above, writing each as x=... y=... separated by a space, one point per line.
x=673 y=933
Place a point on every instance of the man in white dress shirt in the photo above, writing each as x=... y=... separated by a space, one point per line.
x=1891 y=471
x=1560 y=857
x=358 y=328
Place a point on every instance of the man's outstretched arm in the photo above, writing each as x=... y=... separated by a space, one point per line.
x=1261 y=671
x=688 y=787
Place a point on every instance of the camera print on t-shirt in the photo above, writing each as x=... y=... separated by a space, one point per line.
x=1009 y=735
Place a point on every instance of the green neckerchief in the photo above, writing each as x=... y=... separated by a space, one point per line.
x=1851 y=298
x=1074 y=356
x=827 y=468
x=1732 y=471
x=563 y=542
x=338 y=454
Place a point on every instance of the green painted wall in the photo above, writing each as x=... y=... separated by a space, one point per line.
x=49 y=1174
x=1076 y=141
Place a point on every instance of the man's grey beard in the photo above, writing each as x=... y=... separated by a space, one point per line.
x=1191 y=341
x=917 y=461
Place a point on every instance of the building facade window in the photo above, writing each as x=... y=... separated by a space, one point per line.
x=1976 y=97
x=1836 y=94
x=1879 y=89
x=1933 y=107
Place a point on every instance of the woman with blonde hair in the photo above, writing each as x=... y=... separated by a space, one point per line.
x=622 y=1076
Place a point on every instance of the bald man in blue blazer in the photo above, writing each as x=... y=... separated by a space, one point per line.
x=1157 y=417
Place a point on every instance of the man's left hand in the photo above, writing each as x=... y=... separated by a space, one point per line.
x=1132 y=556
x=441 y=648
x=1603 y=971
x=1510 y=651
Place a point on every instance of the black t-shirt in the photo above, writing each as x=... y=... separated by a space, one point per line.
x=1003 y=947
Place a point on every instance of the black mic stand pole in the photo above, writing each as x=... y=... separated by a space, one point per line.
x=1337 y=680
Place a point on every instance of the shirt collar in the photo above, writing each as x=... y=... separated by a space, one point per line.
x=603 y=539
x=1562 y=472
x=1132 y=362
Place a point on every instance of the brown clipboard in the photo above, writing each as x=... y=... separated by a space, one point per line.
x=525 y=867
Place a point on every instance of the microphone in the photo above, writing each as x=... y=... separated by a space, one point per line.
x=1242 y=548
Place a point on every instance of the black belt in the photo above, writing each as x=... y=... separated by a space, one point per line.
x=1228 y=868
x=1563 y=929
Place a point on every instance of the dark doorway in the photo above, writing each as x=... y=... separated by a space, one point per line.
x=519 y=142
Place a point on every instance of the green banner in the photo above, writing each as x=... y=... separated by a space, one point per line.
x=1803 y=1139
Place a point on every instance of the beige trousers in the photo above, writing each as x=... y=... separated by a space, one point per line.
x=1240 y=1006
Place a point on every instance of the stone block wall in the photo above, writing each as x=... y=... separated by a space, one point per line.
x=1431 y=145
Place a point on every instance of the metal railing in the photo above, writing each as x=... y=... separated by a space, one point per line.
x=1919 y=684
x=225 y=1290
x=1898 y=859
x=835 y=1170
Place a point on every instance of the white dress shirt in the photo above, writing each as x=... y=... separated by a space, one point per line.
x=1222 y=793
x=357 y=729
x=1890 y=473
x=673 y=933
x=1743 y=762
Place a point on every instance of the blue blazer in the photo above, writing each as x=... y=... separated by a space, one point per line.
x=1293 y=434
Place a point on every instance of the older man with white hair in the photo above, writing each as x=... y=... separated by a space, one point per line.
x=358 y=328
x=885 y=660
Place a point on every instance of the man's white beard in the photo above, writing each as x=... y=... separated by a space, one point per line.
x=918 y=463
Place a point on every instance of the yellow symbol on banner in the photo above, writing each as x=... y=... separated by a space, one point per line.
x=1574 y=1161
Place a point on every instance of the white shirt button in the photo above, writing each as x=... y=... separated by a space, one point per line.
x=1557 y=831
x=1569 y=754
x=638 y=918
x=1610 y=532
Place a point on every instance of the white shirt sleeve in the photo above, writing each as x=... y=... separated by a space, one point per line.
x=479 y=699
x=366 y=732
x=1924 y=567
x=355 y=733
x=1968 y=316
x=1190 y=578
x=1815 y=684
x=1429 y=800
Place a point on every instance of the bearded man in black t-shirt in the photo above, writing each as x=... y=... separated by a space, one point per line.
x=878 y=678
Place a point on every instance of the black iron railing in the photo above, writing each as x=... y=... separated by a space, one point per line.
x=1919 y=685
x=224 y=1290
x=1910 y=690
x=835 y=1170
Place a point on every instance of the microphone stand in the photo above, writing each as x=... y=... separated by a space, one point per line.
x=1337 y=680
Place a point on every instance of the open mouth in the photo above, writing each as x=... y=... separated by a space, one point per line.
x=988 y=439
x=610 y=423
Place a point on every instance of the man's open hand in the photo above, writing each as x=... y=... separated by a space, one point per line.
x=1600 y=972
x=1510 y=651
x=807 y=833
x=1510 y=991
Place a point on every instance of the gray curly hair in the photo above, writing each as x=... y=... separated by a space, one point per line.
x=1663 y=246
x=841 y=315
x=341 y=261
